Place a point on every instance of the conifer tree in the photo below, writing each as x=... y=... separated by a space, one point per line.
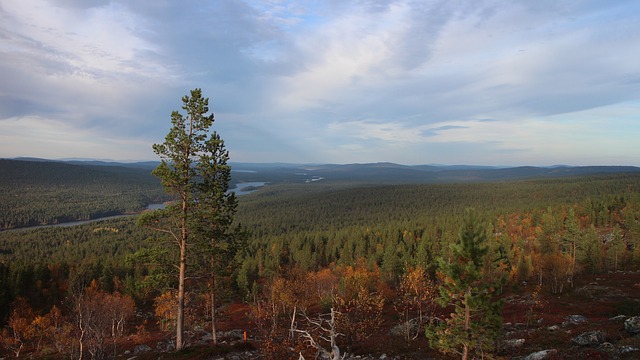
x=216 y=207
x=476 y=322
x=194 y=171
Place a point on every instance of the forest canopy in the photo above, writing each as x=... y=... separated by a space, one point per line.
x=381 y=246
x=38 y=193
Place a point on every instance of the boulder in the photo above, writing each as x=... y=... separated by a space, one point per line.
x=625 y=349
x=165 y=346
x=139 y=349
x=632 y=325
x=540 y=355
x=514 y=343
x=574 y=320
x=589 y=338
x=235 y=334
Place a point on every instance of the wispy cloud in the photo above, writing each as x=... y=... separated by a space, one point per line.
x=335 y=81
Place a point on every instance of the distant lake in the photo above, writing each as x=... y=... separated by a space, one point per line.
x=247 y=187
x=80 y=222
x=156 y=206
x=245 y=171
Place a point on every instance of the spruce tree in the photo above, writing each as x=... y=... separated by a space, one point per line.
x=475 y=324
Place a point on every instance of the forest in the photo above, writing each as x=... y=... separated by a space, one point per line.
x=355 y=265
x=39 y=193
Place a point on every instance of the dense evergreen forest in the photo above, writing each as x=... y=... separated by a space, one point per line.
x=365 y=239
x=37 y=193
x=392 y=226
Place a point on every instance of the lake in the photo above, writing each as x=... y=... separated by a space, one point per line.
x=80 y=222
x=247 y=187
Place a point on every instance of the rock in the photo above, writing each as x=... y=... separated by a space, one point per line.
x=514 y=343
x=236 y=334
x=540 y=355
x=607 y=238
x=165 y=346
x=632 y=325
x=606 y=346
x=627 y=349
x=141 y=349
x=574 y=320
x=589 y=338
x=553 y=328
x=595 y=291
x=618 y=318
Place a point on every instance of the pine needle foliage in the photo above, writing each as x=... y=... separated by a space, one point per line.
x=474 y=326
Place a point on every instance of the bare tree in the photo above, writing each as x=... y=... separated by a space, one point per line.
x=323 y=336
x=99 y=316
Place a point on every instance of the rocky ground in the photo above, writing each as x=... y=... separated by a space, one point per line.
x=594 y=319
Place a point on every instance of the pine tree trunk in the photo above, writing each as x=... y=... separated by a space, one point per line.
x=183 y=245
x=467 y=324
x=180 y=309
x=214 y=338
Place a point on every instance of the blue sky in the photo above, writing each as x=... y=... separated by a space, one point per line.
x=336 y=81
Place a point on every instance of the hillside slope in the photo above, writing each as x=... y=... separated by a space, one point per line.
x=50 y=192
x=390 y=173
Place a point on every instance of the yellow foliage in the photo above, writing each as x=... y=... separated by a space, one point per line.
x=166 y=304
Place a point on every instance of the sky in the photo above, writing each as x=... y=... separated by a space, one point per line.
x=478 y=82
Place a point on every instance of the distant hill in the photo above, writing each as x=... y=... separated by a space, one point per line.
x=138 y=164
x=70 y=173
x=390 y=173
x=369 y=173
x=40 y=192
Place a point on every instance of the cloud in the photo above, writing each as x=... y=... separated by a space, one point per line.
x=333 y=81
x=438 y=130
x=51 y=138
x=366 y=130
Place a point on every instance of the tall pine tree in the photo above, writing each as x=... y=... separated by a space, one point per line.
x=194 y=171
x=476 y=322
x=216 y=208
